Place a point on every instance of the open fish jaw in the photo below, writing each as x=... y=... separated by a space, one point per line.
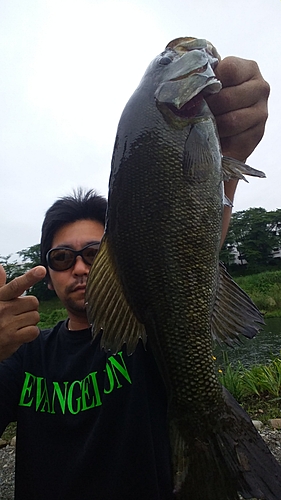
x=195 y=62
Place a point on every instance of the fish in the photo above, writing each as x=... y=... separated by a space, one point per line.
x=157 y=274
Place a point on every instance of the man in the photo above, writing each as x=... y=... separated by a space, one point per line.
x=92 y=425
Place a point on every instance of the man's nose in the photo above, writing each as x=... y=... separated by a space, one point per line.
x=80 y=267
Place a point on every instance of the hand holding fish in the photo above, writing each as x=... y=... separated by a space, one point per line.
x=240 y=108
x=241 y=111
x=18 y=315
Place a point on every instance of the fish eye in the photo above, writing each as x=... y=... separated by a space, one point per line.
x=165 y=60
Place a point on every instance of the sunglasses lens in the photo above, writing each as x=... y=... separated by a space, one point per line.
x=90 y=253
x=61 y=259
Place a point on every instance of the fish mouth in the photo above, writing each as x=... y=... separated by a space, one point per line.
x=189 y=109
x=188 y=78
x=196 y=70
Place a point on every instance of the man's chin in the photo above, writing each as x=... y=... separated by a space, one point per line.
x=76 y=306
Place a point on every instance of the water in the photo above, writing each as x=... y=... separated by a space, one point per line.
x=260 y=350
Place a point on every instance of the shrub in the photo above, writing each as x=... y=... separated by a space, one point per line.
x=49 y=319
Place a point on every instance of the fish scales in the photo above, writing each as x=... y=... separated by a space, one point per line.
x=167 y=287
x=159 y=259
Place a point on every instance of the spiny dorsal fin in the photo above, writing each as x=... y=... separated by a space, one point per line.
x=234 y=313
x=107 y=307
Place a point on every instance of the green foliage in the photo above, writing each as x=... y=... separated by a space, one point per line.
x=254 y=233
x=30 y=255
x=48 y=320
x=265 y=290
x=12 y=269
x=260 y=380
x=261 y=407
x=252 y=381
x=41 y=291
x=232 y=379
x=257 y=389
x=47 y=306
x=51 y=311
x=271 y=378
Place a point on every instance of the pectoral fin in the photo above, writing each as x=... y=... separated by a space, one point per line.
x=234 y=313
x=235 y=169
x=198 y=159
x=107 y=307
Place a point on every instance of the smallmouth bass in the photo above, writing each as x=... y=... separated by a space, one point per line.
x=157 y=273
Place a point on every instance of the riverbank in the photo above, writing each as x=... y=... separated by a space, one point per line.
x=265 y=291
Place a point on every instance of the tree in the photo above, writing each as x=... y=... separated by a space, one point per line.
x=254 y=233
x=30 y=256
x=12 y=269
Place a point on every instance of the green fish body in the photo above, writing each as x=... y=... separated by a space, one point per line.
x=157 y=273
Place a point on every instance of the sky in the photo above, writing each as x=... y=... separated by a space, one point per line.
x=68 y=68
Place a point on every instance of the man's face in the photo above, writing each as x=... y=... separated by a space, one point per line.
x=70 y=285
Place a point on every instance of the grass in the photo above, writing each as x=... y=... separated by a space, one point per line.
x=51 y=311
x=49 y=305
x=257 y=389
x=265 y=290
x=262 y=407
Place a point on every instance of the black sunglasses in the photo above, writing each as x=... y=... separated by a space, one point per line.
x=63 y=258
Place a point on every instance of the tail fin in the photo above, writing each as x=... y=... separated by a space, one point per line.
x=229 y=460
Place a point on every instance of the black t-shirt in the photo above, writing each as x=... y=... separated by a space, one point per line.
x=91 y=426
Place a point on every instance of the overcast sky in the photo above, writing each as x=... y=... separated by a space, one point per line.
x=68 y=68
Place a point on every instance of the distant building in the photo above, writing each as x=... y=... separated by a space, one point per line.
x=276 y=253
x=238 y=258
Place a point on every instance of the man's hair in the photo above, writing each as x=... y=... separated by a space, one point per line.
x=79 y=206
